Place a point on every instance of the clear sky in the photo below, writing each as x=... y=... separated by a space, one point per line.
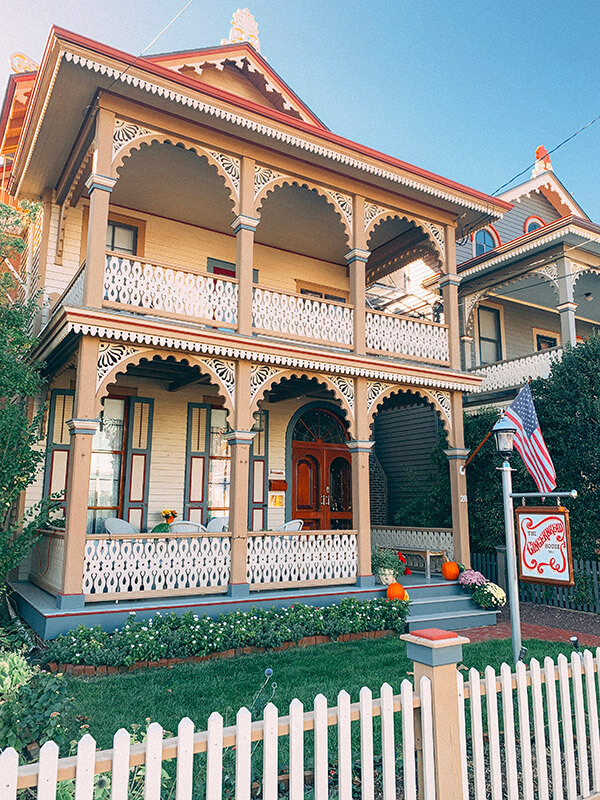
x=467 y=89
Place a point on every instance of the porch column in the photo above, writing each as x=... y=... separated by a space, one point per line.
x=47 y=207
x=360 y=450
x=468 y=354
x=566 y=307
x=239 y=438
x=357 y=266
x=99 y=185
x=82 y=428
x=244 y=226
x=449 y=285
x=457 y=455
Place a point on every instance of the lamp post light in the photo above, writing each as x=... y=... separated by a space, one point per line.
x=504 y=433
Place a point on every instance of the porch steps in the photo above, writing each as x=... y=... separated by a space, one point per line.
x=445 y=606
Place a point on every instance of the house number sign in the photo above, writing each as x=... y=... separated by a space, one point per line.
x=544 y=545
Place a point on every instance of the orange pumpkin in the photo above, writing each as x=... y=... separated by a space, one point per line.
x=450 y=570
x=396 y=591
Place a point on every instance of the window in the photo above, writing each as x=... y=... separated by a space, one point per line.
x=121 y=238
x=490 y=343
x=108 y=453
x=484 y=242
x=322 y=292
x=533 y=223
x=543 y=342
x=226 y=268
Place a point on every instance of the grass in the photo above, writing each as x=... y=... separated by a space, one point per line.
x=196 y=690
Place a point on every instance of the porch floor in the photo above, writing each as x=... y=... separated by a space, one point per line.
x=431 y=598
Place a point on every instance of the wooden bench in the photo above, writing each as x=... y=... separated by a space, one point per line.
x=424 y=553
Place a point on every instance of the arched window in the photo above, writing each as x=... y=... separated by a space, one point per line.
x=484 y=242
x=533 y=223
x=319 y=425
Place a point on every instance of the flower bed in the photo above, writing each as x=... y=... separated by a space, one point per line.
x=172 y=638
x=485 y=593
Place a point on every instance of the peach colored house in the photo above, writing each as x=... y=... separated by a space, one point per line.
x=206 y=251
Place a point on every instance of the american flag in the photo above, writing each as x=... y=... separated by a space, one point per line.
x=529 y=441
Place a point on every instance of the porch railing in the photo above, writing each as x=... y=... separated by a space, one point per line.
x=301 y=558
x=299 y=316
x=413 y=538
x=407 y=336
x=150 y=287
x=147 y=564
x=515 y=371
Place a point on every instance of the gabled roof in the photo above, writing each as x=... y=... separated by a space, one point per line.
x=234 y=65
x=555 y=192
x=14 y=107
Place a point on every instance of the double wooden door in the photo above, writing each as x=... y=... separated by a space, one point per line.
x=322 y=486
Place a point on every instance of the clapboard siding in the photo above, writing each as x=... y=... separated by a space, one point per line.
x=512 y=224
x=404 y=441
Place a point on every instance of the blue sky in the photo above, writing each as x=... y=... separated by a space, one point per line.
x=467 y=89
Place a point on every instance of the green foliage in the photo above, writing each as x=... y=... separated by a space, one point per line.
x=15 y=635
x=175 y=636
x=21 y=380
x=568 y=408
x=382 y=558
x=33 y=709
x=14 y=672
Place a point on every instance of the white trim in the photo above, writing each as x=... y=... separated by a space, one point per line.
x=274 y=133
x=548 y=180
x=267 y=358
x=534 y=245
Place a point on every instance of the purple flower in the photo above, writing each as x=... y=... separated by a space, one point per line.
x=471 y=578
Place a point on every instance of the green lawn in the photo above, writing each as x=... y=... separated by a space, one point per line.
x=196 y=690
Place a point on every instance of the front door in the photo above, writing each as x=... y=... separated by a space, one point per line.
x=321 y=472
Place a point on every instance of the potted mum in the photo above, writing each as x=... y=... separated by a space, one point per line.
x=169 y=515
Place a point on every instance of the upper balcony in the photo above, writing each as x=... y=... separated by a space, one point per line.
x=512 y=373
x=210 y=301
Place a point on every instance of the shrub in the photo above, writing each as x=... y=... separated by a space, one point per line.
x=31 y=712
x=14 y=672
x=175 y=636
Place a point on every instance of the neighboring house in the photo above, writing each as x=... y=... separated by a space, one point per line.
x=530 y=284
x=204 y=252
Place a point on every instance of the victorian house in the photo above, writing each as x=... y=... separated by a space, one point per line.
x=530 y=285
x=213 y=263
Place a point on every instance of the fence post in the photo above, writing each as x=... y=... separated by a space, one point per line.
x=435 y=654
x=501 y=566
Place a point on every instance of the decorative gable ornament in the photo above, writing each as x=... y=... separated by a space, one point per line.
x=542 y=162
x=244 y=28
x=19 y=62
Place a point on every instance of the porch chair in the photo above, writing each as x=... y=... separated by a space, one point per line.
x=218 y=524
x=186 y=526
x=292 y=525
x=114 y=525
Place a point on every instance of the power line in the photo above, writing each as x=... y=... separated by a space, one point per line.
x=148 y=46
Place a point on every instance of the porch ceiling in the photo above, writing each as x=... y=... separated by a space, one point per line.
x=176 y=374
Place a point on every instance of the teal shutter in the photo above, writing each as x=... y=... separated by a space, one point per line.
x=59 y=444
x=137 y=470
x=196 y=463
x=258 y=489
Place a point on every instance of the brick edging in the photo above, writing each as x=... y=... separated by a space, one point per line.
x=307 y=641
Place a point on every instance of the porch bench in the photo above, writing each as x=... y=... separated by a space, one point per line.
x=424 y=553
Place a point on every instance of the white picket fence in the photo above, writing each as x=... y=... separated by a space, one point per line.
x=535 y=735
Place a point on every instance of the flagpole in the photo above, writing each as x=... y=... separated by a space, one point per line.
x=511 y=559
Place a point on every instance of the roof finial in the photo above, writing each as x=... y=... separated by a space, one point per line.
x=19 y=62
x=542 y=162
x=244 y=28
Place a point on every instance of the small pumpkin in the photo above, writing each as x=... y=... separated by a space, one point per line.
x=395 y=591
x=450 y=570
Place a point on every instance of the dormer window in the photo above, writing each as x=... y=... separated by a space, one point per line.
x=484 y=241
x=533 y=223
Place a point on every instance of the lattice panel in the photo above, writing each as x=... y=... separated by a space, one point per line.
x=144 y=285
x=155 y=565
x=518 y=371
x=282 y=559
x=302 y=316
x=414 y=538
x=407 y=337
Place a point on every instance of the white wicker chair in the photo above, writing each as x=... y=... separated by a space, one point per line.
x=292 y=525
x=114 y=525
x=186 y=526
x=218 y=524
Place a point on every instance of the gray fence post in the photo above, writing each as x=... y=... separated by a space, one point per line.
x=501 y=566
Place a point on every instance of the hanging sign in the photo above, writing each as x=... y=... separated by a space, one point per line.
x=544 y=545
